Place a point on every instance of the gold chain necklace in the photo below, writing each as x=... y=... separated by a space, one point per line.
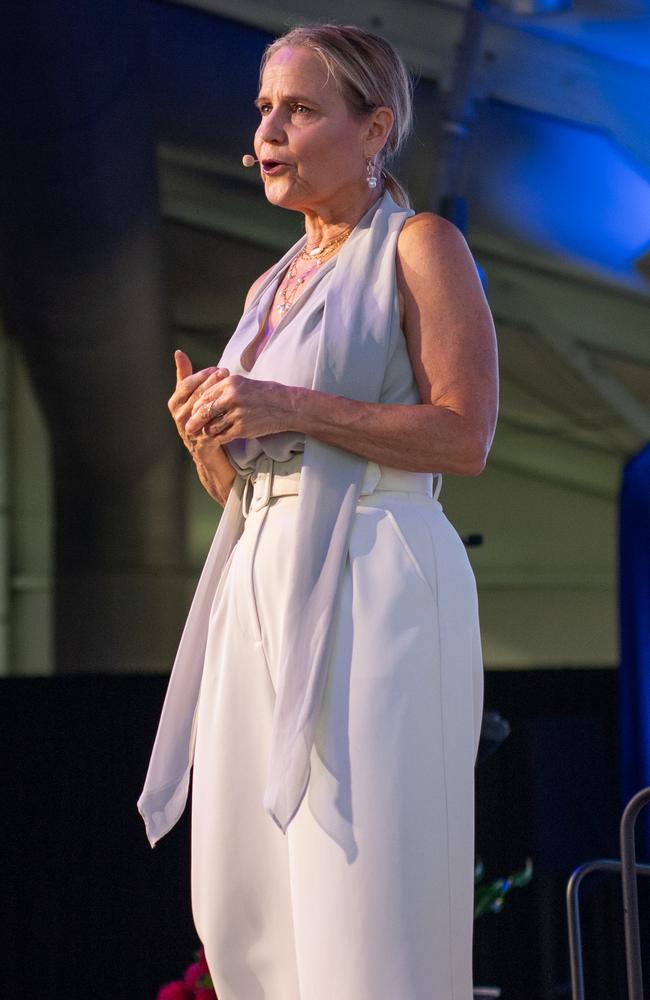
x=289 y=292
x=308 y=254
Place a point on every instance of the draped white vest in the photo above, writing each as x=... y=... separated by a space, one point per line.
x=351 y=361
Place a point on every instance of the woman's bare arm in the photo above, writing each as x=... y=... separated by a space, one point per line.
x=452 y=346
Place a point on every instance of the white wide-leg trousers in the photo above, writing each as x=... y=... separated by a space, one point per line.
x=369 y=896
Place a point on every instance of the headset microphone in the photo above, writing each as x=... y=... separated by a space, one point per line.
x=249 y=160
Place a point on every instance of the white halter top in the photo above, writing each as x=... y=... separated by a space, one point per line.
x=289 y=356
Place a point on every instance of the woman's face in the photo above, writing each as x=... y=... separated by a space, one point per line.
x=311 y=149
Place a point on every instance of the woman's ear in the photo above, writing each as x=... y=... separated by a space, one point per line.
x=378 y=130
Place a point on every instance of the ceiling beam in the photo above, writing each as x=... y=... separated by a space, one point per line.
x=560 y=425
x=610 y=389
x=617 y=322
x=556 y=460
x=565 y=578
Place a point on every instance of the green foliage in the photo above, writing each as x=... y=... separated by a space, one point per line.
x=489 y=898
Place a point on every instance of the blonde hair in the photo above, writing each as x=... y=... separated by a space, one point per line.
x=369 y=74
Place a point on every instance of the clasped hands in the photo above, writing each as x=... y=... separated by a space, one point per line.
x=214 y=405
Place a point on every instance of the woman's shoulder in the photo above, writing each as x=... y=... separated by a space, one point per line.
x=428 y=232
x=431 y=250
x=432 y=257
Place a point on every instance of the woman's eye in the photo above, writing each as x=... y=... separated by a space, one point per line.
x=300 y=109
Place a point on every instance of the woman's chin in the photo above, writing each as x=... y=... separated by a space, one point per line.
x=278 y=194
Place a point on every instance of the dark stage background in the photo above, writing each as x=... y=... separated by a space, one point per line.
x=89 y=910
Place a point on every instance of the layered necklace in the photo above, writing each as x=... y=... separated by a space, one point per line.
x=294 y=282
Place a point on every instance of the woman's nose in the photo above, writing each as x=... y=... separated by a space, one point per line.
x=271 y=128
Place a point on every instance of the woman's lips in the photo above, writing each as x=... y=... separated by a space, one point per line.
x=274 y=166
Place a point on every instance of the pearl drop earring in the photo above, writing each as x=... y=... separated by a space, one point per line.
x=371 y=177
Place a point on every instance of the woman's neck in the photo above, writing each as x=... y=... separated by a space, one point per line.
x=325 y=224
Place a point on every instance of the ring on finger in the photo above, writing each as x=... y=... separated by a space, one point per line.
x=214 y=414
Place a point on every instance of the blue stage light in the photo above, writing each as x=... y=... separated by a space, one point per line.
x=531 y=8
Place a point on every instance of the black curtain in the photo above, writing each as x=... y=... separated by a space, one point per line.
x=90 y=910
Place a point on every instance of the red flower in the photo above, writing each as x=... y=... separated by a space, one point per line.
x=192 y=975
x=175 y=991
x=205 y=994
x=202 y=961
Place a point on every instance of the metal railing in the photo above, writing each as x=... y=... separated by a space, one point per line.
x=628 y=868
x=630 y=899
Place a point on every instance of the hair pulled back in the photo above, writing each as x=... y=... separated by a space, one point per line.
x=369 y=74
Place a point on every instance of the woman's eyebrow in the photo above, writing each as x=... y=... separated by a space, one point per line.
x=289 y=99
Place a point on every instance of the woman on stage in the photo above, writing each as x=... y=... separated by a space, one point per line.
x=328 y=685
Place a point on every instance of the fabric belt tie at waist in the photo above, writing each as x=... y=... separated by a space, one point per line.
x=281 y=479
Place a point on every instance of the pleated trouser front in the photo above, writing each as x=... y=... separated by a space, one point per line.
x=369 y=896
